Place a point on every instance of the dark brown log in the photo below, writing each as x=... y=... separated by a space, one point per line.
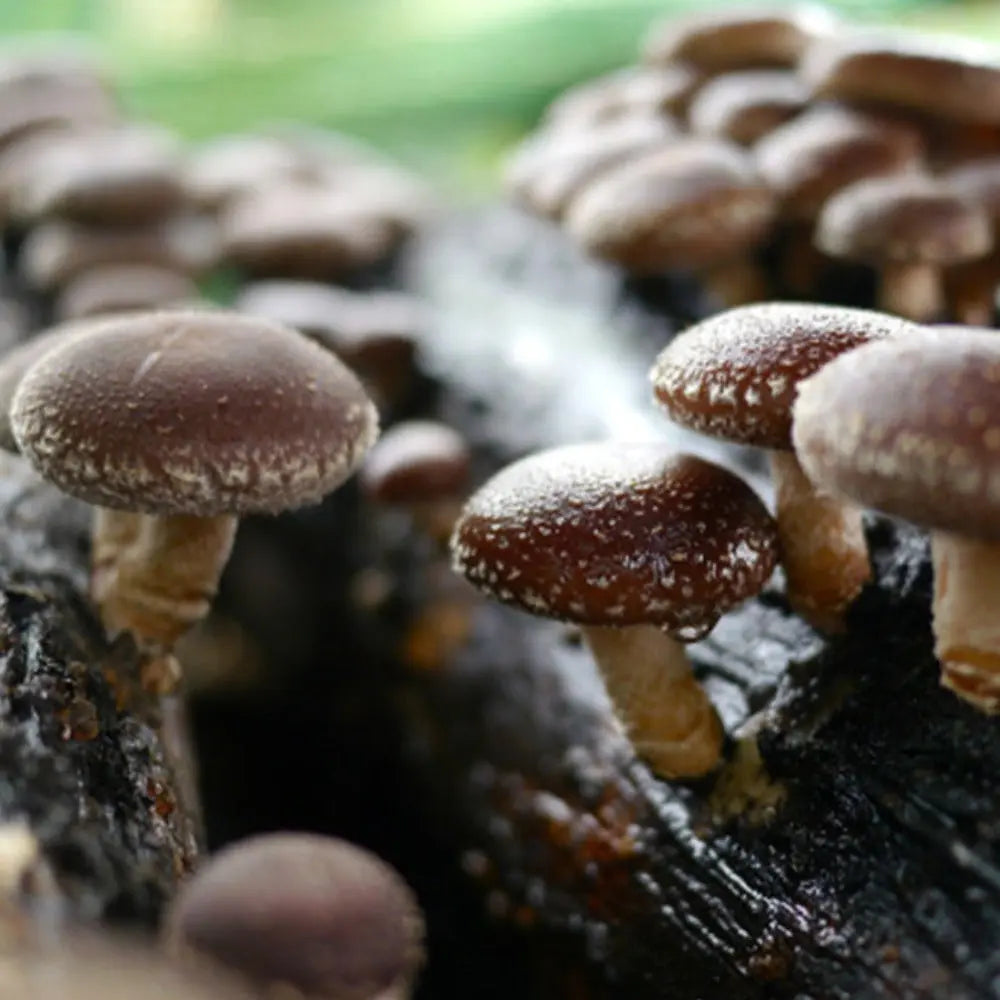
x=83 y=763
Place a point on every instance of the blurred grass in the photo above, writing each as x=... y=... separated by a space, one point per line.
x=444 y=84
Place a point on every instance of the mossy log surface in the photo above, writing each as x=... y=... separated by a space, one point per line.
x=83 y=765
x=861 y=859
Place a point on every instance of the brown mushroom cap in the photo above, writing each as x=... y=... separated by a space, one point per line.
x=747 y=105
x=978 y=181
x=734 y=375
x=124 y=288
x=634 y=89
x=907 y=218
x=616 y=534
x=416 y=461
x=951 y=77
x=318 y=914
x=693 y=204
x=911 y=427
x=198 y=413
x=738 y=36
x=810 y=158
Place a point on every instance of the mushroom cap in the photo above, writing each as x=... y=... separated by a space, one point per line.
x=909 y=218
x=810 y=158
x=945 y=76
x=734 y=375
x=616 y=534
x=695 y=203
x=910 y=426
x=319 y=914
x=416 y=461
x=745 y=106
x=124 y=288
x=978 y=181
x=738 y=36
x=188 y=412
x=553 y=166
x=627 y=91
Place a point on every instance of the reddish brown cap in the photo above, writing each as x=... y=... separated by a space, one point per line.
x=126 y=176
x=910 y=427
x=616 y=534
x=748 y=105
x=810 y=158
x=734 y=375
x=303 y=231
x=632 y=90
x=738 y=37
x=696 y=203
x=907 y=218
x=555 y=165
x=950 y=77
x=197 y=413
x=317 y=914
x=124 y=288
x=416 y=461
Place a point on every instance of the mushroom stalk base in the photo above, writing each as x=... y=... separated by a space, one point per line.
x=160 y=581
x=664 y=710
x=823 y=547
x=966 y=625
x=913 y=290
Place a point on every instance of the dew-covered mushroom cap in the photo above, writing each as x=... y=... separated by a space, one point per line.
x=315 y=913
x=910 y=426
x=195 y=412
x=947 y=76
x=907 y=218
x=733 y=376
x=725 y=37
x=695 y=203
x=616 y=534
x=415 y=461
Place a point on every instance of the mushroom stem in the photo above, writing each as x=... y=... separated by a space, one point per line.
x=966 y=629
x=436 y=518
x=913 y=290
x=822 y=543
x=164 y=581
x=112 y=532
x=664 y=710
x=738 y=282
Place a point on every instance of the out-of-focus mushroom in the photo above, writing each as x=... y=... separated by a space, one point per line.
x=746 y=106
x=189 y=419
x=554 y=165
x=910 y=228
x=734 y=376
x=699 y=205
x=912 y=427
x=644 y=549
x=124 y=288
x=422 y=466
x=314 y=914
x=947 y=77
x=731 y=37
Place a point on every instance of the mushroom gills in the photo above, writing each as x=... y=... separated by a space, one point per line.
x=966 y=627
x=649 y=681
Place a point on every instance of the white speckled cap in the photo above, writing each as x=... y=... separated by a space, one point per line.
x=198 y=413
x=734 y=375
x=616 y=534
x=910 y=426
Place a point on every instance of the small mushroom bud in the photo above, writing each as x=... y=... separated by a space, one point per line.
x=423 y=466
x=911 y=427
x=733 y=376
x=187 y=419
x=644 y=549
x=910 y=227
x=315 y=914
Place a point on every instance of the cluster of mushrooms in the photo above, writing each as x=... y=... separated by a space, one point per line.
x=779 y=133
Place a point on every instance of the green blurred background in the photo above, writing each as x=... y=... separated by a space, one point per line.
x=445 y=85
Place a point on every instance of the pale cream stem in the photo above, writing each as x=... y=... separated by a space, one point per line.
x=966 y=624
x=112 y=532
x=165 y=580
x=913 y=290
x=822 y=543
x=664 y=710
